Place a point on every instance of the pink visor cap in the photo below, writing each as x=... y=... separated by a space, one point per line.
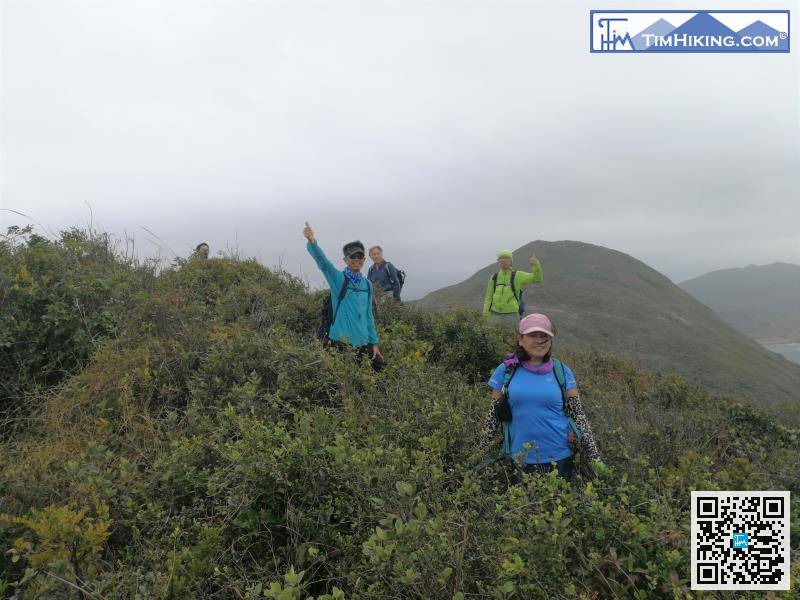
x=536 y=322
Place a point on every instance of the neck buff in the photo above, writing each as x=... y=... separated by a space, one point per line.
x=512 y=360
x=354 y=277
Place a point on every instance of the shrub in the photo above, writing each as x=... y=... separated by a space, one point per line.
x=59 y=300
x=207 y=446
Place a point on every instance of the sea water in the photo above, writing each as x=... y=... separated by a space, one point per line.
x=790 y=351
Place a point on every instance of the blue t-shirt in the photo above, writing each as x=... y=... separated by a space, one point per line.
x=537 y=411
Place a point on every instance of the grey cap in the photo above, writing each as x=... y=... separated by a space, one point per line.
x=351 y=247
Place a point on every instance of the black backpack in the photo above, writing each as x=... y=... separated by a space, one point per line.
x=401 y=276
x=326 y=314
x=521 y=309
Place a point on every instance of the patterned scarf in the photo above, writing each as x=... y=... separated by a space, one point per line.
x=511 y=359
x=354 y=277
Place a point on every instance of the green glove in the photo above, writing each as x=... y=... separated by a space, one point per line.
x=600 y=467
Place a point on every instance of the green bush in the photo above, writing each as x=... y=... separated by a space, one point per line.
x=59 y=300
x=205 y=445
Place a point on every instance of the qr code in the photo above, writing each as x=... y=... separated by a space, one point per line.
x=740 y=540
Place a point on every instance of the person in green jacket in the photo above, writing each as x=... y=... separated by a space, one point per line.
x=503 y=292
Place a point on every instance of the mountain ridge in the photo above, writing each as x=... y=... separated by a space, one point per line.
x=738 y=296
x=606 y=299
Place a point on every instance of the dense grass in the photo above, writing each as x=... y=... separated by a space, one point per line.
x=204 y=445
x=58 y=300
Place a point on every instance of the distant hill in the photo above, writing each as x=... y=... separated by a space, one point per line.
x=763 y=302
x=610 y=301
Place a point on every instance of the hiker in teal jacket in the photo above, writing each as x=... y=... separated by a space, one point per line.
x=354 y=323
x=502 y=295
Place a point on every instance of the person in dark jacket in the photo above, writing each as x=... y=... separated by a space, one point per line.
x=384 y=275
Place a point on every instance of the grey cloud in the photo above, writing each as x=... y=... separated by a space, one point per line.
x=442 y=131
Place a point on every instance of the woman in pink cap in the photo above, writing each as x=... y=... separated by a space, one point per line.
x=535 y=398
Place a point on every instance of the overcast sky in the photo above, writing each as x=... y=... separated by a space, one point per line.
x=443 y=131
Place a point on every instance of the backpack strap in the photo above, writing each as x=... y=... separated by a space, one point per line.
x=558 y=371
x=342 y=294
x=510 y=370
x=505 y=446
x=494 y=288
x=389 y=273
x=520 y=303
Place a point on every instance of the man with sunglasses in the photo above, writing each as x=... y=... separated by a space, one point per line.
x=354 y=322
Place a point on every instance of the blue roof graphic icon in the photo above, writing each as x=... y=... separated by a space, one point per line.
x=759 y=28
x=702 y=24
x=660 y=28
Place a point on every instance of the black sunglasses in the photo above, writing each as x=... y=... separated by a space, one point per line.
x=356 y=256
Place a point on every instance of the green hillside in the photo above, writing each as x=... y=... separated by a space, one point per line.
x=604 y=299
x=181 y=434
x=763 y=302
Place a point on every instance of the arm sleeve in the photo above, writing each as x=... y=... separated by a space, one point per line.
x=588 y=444
x=332 y=275
x=395 y=281
x=487 y=300
x=491 y=426
x=525 y=278
x=372 y=332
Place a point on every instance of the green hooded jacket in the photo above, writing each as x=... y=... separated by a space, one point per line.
x=500 y=298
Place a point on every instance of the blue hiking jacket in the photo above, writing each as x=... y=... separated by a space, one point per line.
x=354 y=323
x=386 y=277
